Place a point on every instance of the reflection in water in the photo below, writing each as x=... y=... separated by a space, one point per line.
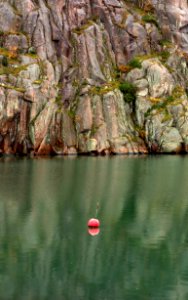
x=93 y=231
x=141 y=251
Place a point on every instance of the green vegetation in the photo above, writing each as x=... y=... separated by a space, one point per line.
x=150 y=18
x=5 y=61
x=129 y=91
x=71 y=113
x=148 y=56
x=173 y=99
x=39 y=81
x=104 y=89
x=11 y=87
x=95 y=18
x=158 y=106
x=58 y=99
x=135 y=63
x=178 y=92
x=2 y=38
x=6 y=70
x=164 y=55
x=141 y=132
x=165 y=42
x=11 y=54
x=32 y=50
x=167 y=116
x=31 y=55
x=4 y=51
x=80 y=30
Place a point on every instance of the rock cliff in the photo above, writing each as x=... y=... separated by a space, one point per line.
x=93 y=76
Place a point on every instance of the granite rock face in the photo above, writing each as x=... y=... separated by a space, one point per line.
x=173 y=15
x=93 y=76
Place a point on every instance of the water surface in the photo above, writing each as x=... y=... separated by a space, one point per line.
x=141 y=252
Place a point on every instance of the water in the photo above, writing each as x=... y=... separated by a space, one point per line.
x=141 y=251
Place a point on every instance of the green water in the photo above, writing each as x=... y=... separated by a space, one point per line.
x=141 y=251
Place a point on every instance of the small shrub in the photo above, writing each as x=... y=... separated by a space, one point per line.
x=178 y=92
x=149 y=18
x=164 y=55
x=5 y=61
x=167 y=117
x=32 y=50
x=165 y=42
x=135 y=63
x=2 y=38
x=129 y=91
x=170 y=99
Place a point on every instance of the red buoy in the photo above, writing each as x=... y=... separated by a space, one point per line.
x=93 y=231
x=93 y=223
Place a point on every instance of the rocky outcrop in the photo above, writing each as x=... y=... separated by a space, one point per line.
x=173 y=15
x=93 y=77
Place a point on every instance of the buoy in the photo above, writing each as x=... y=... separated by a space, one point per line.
x=93 y=223
x=93 y=231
